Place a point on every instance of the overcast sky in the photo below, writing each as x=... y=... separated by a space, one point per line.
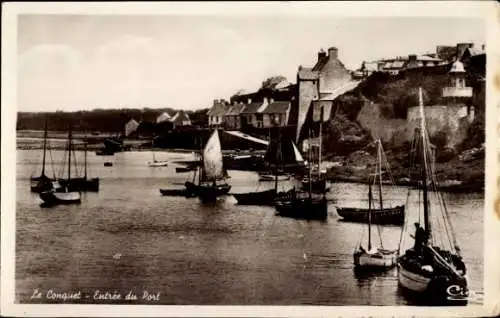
x=83 y=62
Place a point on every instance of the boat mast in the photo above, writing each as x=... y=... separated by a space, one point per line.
x=369 y=216
x=278 y=152
x=69 y=153
x=320 y=141
x=310 y=162
x=379 y=155
x=44 y=147
x=85 y=156
x=427 y=225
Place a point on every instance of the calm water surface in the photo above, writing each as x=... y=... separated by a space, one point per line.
x=129 y=237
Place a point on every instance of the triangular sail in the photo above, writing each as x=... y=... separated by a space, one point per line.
x=213 y=167
x=296 y=152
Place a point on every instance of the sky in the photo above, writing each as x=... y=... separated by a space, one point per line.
x=82 y=62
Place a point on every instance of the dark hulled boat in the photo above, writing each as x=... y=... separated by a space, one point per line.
x=393 y=216
x=265 y=197
x=81 y=183
x=381 y=215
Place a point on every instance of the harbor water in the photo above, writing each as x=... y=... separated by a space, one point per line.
x=128 y=237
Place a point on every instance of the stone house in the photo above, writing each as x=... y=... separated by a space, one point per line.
x=232 y=118
x=276 y=114
x=252 y=115
x=217 y=112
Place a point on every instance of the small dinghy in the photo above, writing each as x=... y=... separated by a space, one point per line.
x=108 y=164
x=177 y=193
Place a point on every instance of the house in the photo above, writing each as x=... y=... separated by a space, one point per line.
x=217 y=112
x=232 y=118
x=163 y=117
x=181 y=118
x=276 y=114
x=326 y=80
x=251 y=115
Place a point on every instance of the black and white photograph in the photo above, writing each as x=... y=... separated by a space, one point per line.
x=250 y=154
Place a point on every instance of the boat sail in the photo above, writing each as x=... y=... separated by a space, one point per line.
x=432 y=268
x=384 y=215
x=211 y=171
x=62 y=194
x=373 y=257
x=42 y=182
x=301 y=204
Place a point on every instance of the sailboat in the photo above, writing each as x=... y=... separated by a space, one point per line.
x=211 y=172
x=155 y=162
x=318 y=183
x=59 y=193
x=432 y=268
x=42 y=182
x=384 y=215
x=373 y=257
x=301 y=204
x=265 y=197
x=81 y=183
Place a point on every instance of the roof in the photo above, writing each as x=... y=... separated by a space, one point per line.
x=282 y=84
x=457 y=67
x=320 y=64
x=316 y=109
x=218 y=109
x=476 y=51
x=348 y=86
x=446 y=52
x=306 y=73
x=180 y=116
x=251 y=108
x=235 y=109
x=247 y=137
x=277 y=107
x=163 y=117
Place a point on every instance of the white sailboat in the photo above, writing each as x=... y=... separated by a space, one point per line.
x=212 y=174
x=61 y=194
x=373 y=257
x=155 y=162
x=432 y=268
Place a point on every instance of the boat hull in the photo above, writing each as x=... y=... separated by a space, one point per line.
x=266 y=197
x=158 y=164
x=308 y=209
x=382 y=259
x=41 y=184
x=183 y=169
x=176 y=193
x=207 y=193
x=80 y=184
x=432 y=285
x=394 y=216
x=266 y=177
x=54 y=198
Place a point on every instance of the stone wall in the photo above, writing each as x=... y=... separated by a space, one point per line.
x=308 y=92
x=451 y=120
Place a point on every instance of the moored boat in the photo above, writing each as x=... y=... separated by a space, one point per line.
x=212 y=174
x=373 y=258
x=394 y=215
x=176 y=193
x=432 y=269
x=59 y=193
x=265 y=197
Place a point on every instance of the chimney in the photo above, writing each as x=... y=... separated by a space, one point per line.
x=321 y=55
x=483 y=47
x=332 y=53
x=412 y=58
